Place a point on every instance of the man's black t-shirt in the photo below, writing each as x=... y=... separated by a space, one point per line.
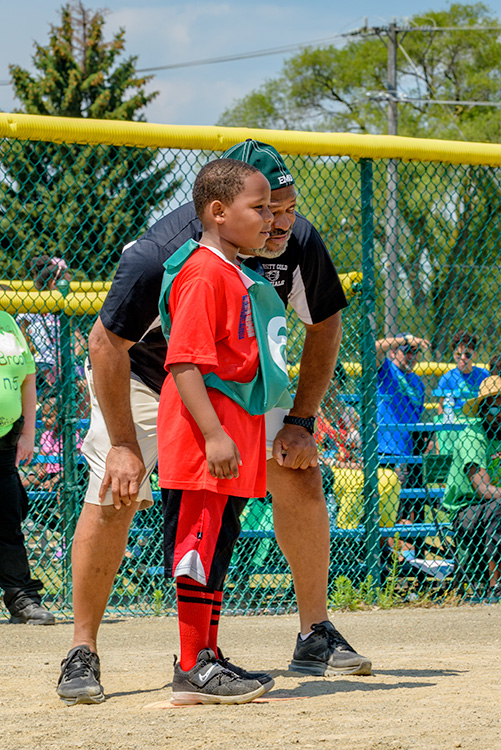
x=304 y=277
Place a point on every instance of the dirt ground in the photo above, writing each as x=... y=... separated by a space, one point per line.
x=435 y=686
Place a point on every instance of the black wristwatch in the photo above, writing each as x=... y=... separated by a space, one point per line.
x=309 y=423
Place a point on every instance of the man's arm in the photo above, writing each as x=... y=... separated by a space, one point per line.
x=109 y=355
x=383 y=346
x=318 y=360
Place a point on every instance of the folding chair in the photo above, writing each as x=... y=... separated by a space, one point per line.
x=435 y=472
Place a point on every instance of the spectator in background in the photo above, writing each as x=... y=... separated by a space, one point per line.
x=473 y=490
x=400 y=391
x=47 y=475
x=400 y=405
x=462 y=382
x=43 y=332
x=340 y=445
x=17 y=439
x=42 y=329
x=51 y=439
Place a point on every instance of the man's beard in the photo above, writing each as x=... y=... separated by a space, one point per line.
x=271 y=254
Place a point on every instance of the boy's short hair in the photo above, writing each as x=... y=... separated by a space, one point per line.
x=220 y=180
x=464 y=338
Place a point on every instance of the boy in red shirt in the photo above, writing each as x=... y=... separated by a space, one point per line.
x=211 y=434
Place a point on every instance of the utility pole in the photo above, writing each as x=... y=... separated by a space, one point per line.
x=392 y=79
x=391 y=246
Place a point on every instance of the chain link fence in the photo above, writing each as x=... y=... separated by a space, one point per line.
x=414 y=228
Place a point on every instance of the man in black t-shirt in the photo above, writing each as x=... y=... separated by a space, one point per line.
x=127 y=351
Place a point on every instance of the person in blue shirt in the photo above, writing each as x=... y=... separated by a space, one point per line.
x=461 y=383
x=400 y=391
x=400 y=405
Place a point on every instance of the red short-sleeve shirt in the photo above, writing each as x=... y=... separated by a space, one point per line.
x=212 y=327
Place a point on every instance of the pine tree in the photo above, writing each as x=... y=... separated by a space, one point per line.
x=77 y=201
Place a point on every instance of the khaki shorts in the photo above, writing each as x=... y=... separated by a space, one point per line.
x=144 y=403
x=96 y=445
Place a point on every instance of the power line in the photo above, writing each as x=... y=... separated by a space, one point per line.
x=303 y=45
x=244 y=55
x=373 y=30
x=409 y=99
x=404 y=99
x=363 y=31
x=391 y=95
x=233 y=58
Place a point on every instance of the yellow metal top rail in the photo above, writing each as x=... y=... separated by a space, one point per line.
x=74 y=303
x=213 y=138
x=422 y=368
x=87 y=297
x=28 y=285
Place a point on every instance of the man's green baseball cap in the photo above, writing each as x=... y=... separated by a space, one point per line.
x=265 y=158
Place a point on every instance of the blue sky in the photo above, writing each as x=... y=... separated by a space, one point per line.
x=171 y=32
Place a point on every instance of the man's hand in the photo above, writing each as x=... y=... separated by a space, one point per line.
x=125 y=468
x=223 y=456
x=295 y=448
x=124 y=472
x=423 y=344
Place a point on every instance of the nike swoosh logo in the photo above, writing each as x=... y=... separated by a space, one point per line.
x=204 y=676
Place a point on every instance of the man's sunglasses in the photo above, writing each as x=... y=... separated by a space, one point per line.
x=407 y=348
x=466 y=355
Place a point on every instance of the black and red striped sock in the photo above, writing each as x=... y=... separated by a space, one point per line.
x=214 y=620
x=194 y=609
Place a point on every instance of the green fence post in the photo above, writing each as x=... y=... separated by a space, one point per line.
x=369 y=377
x=67 y=413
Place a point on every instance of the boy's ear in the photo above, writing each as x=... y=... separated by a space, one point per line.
x=216 y=211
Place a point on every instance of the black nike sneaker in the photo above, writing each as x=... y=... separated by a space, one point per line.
x=326 y=653
x=210 y=682
x=263 y=677
x=79 y=679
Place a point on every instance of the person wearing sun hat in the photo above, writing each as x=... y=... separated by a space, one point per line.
x=490 y=388
x=127 y=350
x=473 y=490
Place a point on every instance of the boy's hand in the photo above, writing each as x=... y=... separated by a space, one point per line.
x=223 y=456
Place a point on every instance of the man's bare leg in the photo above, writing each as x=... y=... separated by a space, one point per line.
x=301 y=526
x=302 y=530
x=98 y=549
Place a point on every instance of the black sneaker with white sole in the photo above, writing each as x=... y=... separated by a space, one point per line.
x=79 y=679
x=263 y=677
x=326 y=653
x=209 y=682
